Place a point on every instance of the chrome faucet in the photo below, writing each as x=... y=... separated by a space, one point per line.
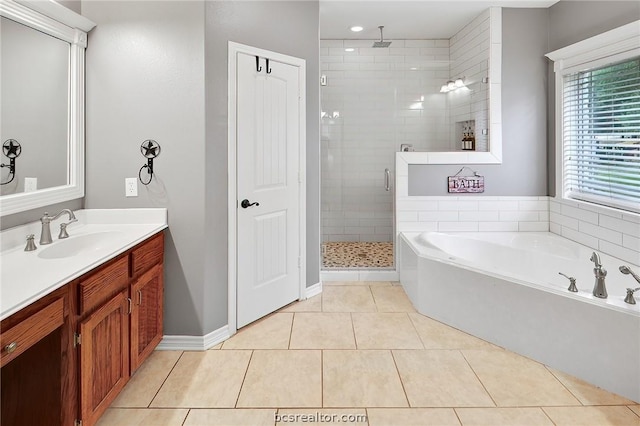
x=599 y=289
x=627 y=271
x=45 y=234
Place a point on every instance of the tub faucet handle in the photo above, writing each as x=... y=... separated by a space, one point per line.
x=572 y=283
x=630 y=299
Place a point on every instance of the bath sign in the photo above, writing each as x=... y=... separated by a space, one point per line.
x=458 y=184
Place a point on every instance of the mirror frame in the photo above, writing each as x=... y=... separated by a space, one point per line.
x=494 y=155
x=57 y=21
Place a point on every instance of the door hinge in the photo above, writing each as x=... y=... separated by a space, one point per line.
x=299 y=261
x=77 y=423
x=77 y=339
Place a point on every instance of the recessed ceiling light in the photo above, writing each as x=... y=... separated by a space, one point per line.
x=356 y=28
x=349 y=49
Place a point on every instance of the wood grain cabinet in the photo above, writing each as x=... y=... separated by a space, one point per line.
x=90 y=336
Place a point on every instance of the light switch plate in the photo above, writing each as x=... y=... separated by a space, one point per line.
x=131 y=187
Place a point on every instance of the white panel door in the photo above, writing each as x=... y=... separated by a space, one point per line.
x=268 y=120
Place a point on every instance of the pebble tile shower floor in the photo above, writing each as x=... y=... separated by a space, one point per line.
x=357 y=255
x=359 y=348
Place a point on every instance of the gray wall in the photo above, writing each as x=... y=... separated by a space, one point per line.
x=573 y=21
x=153 y=69
x=145 y=80
x=524 y=114
x=288 y=27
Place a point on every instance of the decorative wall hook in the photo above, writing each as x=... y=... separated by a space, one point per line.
x=150 y=149
x=11 y=149
x=259 y=67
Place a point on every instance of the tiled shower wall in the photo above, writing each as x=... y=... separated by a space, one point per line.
x=469 y=54
x=374 y=101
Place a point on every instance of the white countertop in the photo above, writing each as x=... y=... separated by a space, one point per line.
x=26 y=277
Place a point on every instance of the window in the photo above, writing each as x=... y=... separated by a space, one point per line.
x=601 y=134
x=598 y=119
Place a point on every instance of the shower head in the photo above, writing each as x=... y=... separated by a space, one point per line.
x=381 y=43
x=627 y=271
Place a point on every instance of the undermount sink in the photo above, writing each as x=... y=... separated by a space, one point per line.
x=75 y=245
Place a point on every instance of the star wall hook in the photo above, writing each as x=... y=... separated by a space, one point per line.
x=12 y=149
x=150 y=149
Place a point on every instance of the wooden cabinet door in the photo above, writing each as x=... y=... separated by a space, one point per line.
x=146 y=315
x=104 y=357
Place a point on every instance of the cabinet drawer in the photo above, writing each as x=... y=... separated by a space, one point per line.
x=28 y=332
x=98 y=287
x=148 y=254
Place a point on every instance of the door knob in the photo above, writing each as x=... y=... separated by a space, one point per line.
x=246 y=203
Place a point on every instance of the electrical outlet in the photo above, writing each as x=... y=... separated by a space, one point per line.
x=131 y=187
x=30 y=184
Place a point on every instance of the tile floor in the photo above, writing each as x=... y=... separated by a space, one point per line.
x=361 y=351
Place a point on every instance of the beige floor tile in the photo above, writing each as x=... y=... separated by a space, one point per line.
x=142 y=417
x=323 y=330
x=385 y=331
x=208 y=379
x=347 y=299
x=503 y=417
x=377 y=283
x=312 y=304
x=231 y=417
x=356 y=283
x=440 y=378
x=635 y=409
x=391 y=299
x=218 y=346
x=281 y=378
x=146 y=381
x=322 y=416
x=436 y=335
x=513 y=380
x=587 y=393
x=271 y=332
x=590 y=416
x=361 y=379
x=412 y=417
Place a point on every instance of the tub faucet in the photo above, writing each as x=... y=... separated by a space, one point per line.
x=599 y=289
x=45 y=234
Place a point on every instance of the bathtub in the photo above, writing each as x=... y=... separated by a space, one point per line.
x=504 y=287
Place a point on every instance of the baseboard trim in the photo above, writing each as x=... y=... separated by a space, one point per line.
x=194 y=343
x=313 y=290
x=360 y=275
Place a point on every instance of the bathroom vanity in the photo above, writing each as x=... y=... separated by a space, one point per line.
x=68 y=351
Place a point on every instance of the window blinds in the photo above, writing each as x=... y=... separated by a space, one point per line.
x=601 y=135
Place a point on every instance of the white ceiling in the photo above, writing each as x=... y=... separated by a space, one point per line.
x=413 y=19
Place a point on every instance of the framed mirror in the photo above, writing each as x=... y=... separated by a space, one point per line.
x=42 y=104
